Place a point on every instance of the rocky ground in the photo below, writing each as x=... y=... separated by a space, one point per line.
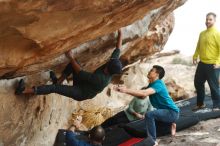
x=206 y=133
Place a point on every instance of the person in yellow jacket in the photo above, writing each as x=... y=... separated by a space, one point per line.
x=208 y=52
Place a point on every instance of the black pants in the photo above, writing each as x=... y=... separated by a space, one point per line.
x=119 y=118
x=73 y=92
x=207 y=72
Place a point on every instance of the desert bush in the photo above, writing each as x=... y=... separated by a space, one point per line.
x=182 y=61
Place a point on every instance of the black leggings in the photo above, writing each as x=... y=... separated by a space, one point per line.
x=73 y=92
x=119 y=118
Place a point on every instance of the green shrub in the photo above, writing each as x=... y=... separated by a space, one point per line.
x=178 y=60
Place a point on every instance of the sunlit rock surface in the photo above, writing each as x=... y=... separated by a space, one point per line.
x=35 y=33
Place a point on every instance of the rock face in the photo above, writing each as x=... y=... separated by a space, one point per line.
x=175 y=91
x=34 y=36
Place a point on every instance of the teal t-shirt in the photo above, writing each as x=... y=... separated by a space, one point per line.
x=161 y=99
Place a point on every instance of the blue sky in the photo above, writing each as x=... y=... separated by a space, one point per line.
x=189 y=22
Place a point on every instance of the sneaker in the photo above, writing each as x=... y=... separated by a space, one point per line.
x=216 y=109
x=20 y=88
x=199 y=107
x=53 y=77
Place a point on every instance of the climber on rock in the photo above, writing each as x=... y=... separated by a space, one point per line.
x=85 y=84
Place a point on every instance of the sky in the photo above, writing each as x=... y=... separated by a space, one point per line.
x=189 y=22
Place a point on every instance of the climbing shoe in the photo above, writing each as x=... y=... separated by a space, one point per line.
x=53 y=77
x=196 y=108
x=20 y=88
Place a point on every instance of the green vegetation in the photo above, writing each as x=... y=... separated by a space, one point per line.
x=178 y=60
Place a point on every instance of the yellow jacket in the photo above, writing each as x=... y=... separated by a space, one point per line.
x=208 y=46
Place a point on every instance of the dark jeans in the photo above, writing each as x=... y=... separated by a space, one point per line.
x=163 y=115
x=119 y=118
x=207 y=72
x=73 y=92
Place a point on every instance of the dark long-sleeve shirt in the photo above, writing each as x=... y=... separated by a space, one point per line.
x=93 y=83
